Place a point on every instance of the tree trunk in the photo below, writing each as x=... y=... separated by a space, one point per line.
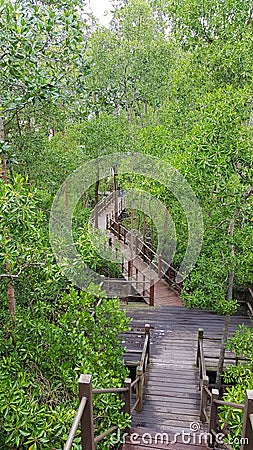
x=11 y=299
x=115 y=188
x=10 y=293
x=227 y=317
x=222 y=352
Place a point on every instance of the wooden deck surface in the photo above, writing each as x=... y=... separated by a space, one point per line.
x=172 y=399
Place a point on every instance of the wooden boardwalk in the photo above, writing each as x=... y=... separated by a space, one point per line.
x=163 y=295
x=172 y=399
x=171 y=404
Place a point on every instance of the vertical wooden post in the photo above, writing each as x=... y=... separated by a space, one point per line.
x=200 y=338
x=147 y=332
x=128 y=396
x=169 y=275
x=118 y=226
x=96 y=216
x=129 y=269
x=139 y=388
x=159 y=266
x=143 y=286
x=213 y=417
x=125 y=233
x=107 y=221
x=136 y=244
x=152 y=293
x=144 y=251
x=115 y=193
x=204 y=397
x=247 y=429
x=87 y=427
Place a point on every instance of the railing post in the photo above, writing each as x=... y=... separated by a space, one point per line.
x=159 y=266
x=136 y=244
x=87 y=430
x=129 y=269
x=143 y=286
x=125 y=233
x=139 y=388
x=128 y=396
x=107 y=221
x=213 y=417
x=247 y=429
x=200 y=338
x=147 y=332
x=118 y=226
x=204 y=397
x=96 y=216
x=152 y=293
x=169 y=276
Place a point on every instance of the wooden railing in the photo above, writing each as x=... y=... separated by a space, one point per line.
x=114 y=198
x=148 y=255
x=211 y=398
x=84 y=415
x=249 y=302
x=203 y=377
x=143 y=285
x=123 y=288
x=247 y=429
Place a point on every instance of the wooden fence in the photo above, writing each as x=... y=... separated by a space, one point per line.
x=144 y=287
x=210 y=401
x=249 y=301
x=148 y=255
x=84 y=415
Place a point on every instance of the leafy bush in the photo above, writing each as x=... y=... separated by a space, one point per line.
x=241 y=376
x=43 y=350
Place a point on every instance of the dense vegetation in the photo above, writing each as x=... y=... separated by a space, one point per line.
x=168 y=78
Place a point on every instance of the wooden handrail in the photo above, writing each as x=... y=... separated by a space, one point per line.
x=215 y=402
x=85 y=410
x=109 y=391
x=104 y=434
x=231 y=404
x=247 y=407
x=75 y=425
x=117 y=227
x=249 y=303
